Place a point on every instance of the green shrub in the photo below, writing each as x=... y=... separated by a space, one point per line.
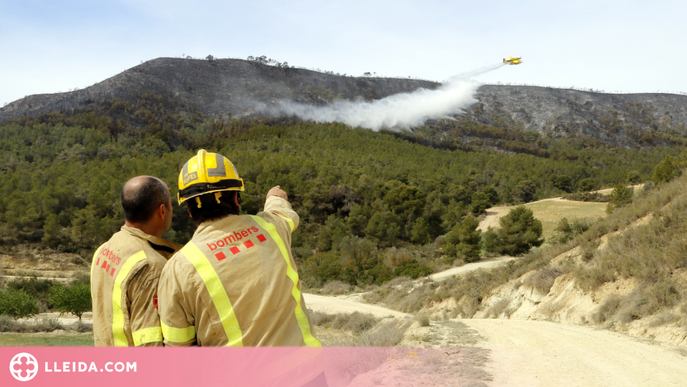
x=665 y=171
x=568 y=230
x=519 y=232
x=463 y=241
x=17 y=303
x=37 y=288
x=412 y=269
x=588 y=184
x=74 y=299
x=620 y=197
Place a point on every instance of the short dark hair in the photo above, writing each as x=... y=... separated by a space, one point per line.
x=210 y=209
x=141 y=202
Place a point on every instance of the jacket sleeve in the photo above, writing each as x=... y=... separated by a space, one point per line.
x=142 y=294
x=176 y=319
x=282 y=209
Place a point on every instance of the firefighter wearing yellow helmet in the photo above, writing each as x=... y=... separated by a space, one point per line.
x=235 y=283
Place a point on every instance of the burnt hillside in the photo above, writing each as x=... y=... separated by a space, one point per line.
x=224 y=88
x=218 y=87
x=618 y=119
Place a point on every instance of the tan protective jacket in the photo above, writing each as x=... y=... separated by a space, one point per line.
x=235 y=283
x=124 y=276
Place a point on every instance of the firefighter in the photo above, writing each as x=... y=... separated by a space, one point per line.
x=126 y=269
x=235 y=283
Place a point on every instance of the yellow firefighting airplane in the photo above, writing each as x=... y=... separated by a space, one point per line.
x=512 y=61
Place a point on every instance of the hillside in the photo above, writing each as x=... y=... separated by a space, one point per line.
x=224 y=88
x=618 y=119
x=217 y=87
x=626 y=273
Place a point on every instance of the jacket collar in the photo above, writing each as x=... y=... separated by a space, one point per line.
x=162 y=246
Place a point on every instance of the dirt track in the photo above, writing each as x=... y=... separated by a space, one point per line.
x=482 y=264
x=347 y=304
x=536 y=353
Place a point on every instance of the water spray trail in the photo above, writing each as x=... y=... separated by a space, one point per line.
x=398 y=111
x=477 y=72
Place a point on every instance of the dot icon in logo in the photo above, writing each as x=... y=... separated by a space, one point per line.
x=24 y=367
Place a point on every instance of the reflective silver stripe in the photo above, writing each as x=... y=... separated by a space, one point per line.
x=220 y=170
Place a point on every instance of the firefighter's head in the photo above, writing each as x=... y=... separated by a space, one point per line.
x=147 y=204
x=210 y=185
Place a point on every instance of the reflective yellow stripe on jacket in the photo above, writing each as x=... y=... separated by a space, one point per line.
x=178 y=335
x=302 y=319
x=147 y=335
x=217 y=292
x=290 y=222
x=120 y=339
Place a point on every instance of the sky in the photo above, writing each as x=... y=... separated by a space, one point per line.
x=612 y=46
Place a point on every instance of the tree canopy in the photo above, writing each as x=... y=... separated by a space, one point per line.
x=61 y=176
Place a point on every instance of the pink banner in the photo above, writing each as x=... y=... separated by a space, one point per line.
x=283 y=367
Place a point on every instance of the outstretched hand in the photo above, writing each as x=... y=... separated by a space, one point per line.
x=277 y=191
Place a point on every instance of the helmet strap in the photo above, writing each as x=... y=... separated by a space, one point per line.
x=217 y=196
x=198 y=201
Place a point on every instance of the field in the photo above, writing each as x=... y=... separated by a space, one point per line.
x=46 y=339
x=549 y=212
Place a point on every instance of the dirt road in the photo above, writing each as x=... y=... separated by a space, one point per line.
x=482 y=264
x=536 y=353
x=347 y=304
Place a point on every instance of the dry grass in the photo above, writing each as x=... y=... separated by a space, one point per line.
x=543 y=280
x=498 y=309
x=357 y=330
x=422 y=319
x=387 y=333
x=334 y=288
x=458 y=366
x=607 y=310
x=549 y=212
x=650 y=253
x=8 y=324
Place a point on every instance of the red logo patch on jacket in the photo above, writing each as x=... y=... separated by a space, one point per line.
x=155 y=301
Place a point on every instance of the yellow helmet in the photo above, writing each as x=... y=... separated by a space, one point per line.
x=207 y=173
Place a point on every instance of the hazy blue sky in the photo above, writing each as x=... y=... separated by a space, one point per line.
x=619 y=46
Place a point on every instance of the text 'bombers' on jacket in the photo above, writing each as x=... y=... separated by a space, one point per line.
x=235 y=283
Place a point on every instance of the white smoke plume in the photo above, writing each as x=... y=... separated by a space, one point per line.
x=398 y=111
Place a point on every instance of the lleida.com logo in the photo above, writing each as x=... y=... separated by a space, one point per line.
x=24 y=367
